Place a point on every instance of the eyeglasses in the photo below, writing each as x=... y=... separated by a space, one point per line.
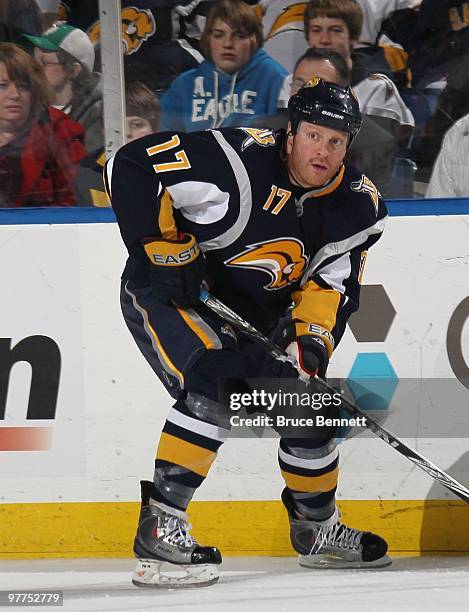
x=48 y=63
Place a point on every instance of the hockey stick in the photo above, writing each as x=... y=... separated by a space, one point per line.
x=427 y=466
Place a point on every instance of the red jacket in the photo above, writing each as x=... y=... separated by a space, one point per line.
x=50 y=160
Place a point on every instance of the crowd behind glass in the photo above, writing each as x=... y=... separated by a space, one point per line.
x=194 y=65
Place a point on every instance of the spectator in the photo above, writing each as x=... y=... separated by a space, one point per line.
x=330 y=66
x=327 y=65
x=49 y=12
x=373 y=150
x=375 y=13
x=450 y=176
x=441 y=38
x=451 y=105
x=142 y=118
x=283 y=30
x=397 y=40
x=283 y=22
x=337 y=24
x=142 y=110
x=160 y=37
x=376 y=51
x=40 y=146
x=67 y=55
x=18 y=17
x=237 y=82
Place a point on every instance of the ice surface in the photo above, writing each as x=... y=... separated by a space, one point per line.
x=251 y=584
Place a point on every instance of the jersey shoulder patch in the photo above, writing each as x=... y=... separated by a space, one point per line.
x=366 y=186
x=258 y=136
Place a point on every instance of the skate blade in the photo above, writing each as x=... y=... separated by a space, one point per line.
x=330 y=562
x=162 y=574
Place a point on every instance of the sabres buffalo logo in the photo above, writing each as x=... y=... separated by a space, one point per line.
x=313 y=81
x=291 y=18
x=138 y=25
x=283 y=260
x=63 y=11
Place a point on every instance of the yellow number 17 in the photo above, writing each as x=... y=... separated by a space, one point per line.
x=182 y=162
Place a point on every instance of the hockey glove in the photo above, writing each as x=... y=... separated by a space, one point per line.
x=274 y=368
x=309 y=350
x=311 y=355
x=177 y=269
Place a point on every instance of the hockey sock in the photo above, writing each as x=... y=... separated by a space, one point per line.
x=310 y=473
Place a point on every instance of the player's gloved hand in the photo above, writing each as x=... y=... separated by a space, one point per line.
x=274 y=368
x=311 y=355
x=177 y=270
x=309 y=350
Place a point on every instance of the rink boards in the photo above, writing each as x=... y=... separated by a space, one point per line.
x=78 y=434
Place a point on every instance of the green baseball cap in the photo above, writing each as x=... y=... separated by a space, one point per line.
x=66 y=38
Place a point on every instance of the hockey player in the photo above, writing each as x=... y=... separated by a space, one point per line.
x=265 y=219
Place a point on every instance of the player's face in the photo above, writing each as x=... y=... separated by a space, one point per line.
x=136 y=127
x=330 y=33
x=230 y=49
x=315 y=154
x=15 y=101
x=306 y=69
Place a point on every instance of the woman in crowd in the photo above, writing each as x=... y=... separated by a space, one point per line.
x=40 y=146
x=237 y=82
x=67 y=55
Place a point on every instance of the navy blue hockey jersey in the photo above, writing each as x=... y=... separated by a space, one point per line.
x=267 y=242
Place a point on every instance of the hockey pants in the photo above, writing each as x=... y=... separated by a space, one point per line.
x=190 y=350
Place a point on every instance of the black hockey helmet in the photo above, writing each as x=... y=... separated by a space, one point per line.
x=325 y=104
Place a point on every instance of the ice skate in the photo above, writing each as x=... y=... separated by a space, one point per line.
x=330 y=544
x=168 y=556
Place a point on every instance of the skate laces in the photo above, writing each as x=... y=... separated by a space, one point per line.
x=336 y=535
x=177 y=531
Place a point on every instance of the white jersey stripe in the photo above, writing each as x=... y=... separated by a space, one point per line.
x=335 y=273
x=108 y=171
x=339 y=248
x=245 y=198
x=200 y=427
x=309 y=464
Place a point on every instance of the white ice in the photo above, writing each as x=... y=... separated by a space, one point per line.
x=251 y=584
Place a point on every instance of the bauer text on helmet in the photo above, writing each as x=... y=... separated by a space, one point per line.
x=326 y=104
